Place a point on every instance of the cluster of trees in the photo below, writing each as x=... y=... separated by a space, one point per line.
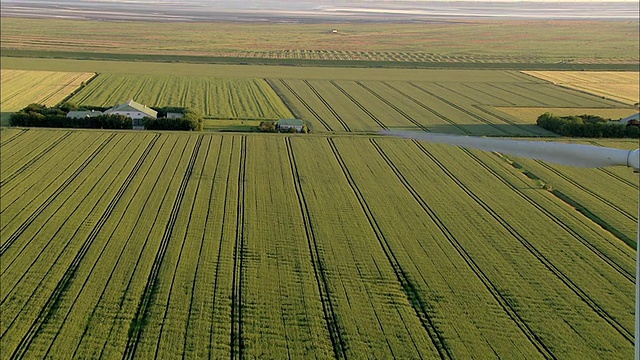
x=190 y=120
x=592 y=126
x=37 y=115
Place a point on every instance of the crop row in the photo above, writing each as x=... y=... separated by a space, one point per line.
x=181 y=245
x=464 y=105
x=21 y=88
x=215 y=97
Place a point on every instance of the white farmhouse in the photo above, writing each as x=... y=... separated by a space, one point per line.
x=286 y=124
x=133 y=110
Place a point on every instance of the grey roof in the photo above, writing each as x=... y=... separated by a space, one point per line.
x=131 y=106
x=290 y=122
x=626 y=120
x=83 y=114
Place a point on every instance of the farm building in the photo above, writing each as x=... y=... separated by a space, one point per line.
x=173 y=115
x=626 y=120
x=286 y=124
x=133 y=110
x=83 y=114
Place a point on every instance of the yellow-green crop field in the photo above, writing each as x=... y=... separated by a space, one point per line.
x=22 y=87
x=217 y=97
x=621 y=86
x=165 y=245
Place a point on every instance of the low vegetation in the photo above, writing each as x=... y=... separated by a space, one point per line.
x=591 y=126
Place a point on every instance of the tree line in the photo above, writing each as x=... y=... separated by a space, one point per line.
x=591 y=126
x=38 y=115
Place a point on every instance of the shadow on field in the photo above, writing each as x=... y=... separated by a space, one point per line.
x=506 y=130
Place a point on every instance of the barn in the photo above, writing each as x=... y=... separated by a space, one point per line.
x=133 y=110
x=286 y=124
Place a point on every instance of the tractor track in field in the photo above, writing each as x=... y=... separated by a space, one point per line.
x=327 y=105
x=124 y=247
x=69 y=274
x=337 y=341
x=425 y=107
x=460 y=108
x=17 y=256
x=142 y=312
x=220 y=244
x=358 y=104
x=6 y=206
x=590 y=192
x=236 y=340
x=535 y=101
x=619 y=178
x=531 y=89
x=175 y=271
x=306 y=105
x=419 y=305
x=91 y=272
x=629 y=275
x=534 y=251
x=397 y=109
x=46 y=274
x=34 y=159
x=28 y=151
x=25 y=144
x=468 y=259
x=13 y=237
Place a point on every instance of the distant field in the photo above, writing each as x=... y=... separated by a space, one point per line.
x=167 y=245
x=458 y=102
x=217 y=97
x=464 y=41
x=21 y=87
x=621 y=86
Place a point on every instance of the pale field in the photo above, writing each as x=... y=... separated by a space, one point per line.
x=620 y=85
x=530 y=114
x=23 y=87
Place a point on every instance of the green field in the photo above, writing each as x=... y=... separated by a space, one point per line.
x=217 y=97
x=459 y=41
x=144 y=244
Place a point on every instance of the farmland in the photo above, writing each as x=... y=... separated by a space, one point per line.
x=621 y=86
x=213 y=97
x=21 y=88
x=346 y=246
x=457 y=41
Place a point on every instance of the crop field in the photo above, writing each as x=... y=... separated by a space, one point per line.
x=452 y=101
x=21 y=87
x=621 y=86
x=165 y=245
x=215 y=97
x=459 y=41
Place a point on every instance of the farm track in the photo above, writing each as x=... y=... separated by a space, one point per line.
x=306 y=105
x=34 y=159
x=422 y=105
x=588 y=191
x=327 y=105
x=412 y=294
x=5 y=246
x=202 y=241
x=468 y=259
x=175 y=271
x=629 y=275
x=102 y=294
x=150 y=288
x=236 y=341
x=6 y=206
x=144 y=157
x=533 y=250
x=358 y=104
x=397 y=109
x=68 y=276
x=337 y=341
x=7 y=141
x=455 y=106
